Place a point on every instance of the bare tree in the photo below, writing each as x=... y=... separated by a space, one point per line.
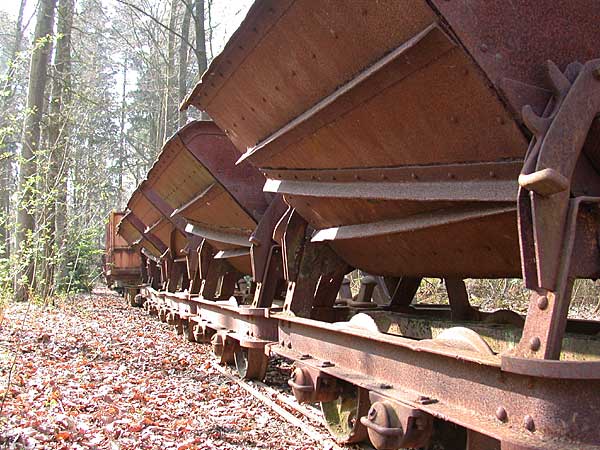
x=31 y=139
x=5 y=159
x=58 y=136
x=183 y=60
x=200 y=36
x=170 y=103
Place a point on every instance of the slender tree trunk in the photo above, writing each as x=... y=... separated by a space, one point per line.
x=121 y=155
x=183 y=62
x=210 y=28
x=200 y=36
x=58 y=137
x=30 y=142
x=6 y=151
x=200 y=42
x=170 y=106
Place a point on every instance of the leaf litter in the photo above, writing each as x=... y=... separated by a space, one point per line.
x=94 y=373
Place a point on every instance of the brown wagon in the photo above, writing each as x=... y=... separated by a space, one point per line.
x=417 y=139
x=121 y=263
x=218 y=223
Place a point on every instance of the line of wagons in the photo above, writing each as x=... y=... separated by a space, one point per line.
x=406 y=139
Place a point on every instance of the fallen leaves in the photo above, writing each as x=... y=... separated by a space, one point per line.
x=93 y=373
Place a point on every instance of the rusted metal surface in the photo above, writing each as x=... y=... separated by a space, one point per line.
x=136 y=229
x=213 y=149
x=509 y=40
x=462 y=386
x=198 y=188
x=408 y=140
x=394 y=425
x=395 y=164
x=121 y=262
x=559 y=139
x=548 y=309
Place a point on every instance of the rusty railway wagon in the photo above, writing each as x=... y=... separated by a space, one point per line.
x=121 y=263
x=405 y=139
x=212 y=226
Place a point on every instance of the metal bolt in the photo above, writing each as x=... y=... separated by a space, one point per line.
x=305 y=356
x=450 y=175
x=542 y=302
x=483 y=48
x=492 y=174
x=327 y=364
x=414 y=176
x=424 y=400
x=535 y=343
x=372 y=413
x=528 y=423
x=385 y=386
x=501 y=414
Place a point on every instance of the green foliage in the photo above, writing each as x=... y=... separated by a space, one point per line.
x=83 y=260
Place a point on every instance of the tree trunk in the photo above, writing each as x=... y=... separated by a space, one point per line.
x=30 y=143
x=170 y=106
x=210 y=28
x=6 y=152
x=58 y=137
x=183 y=61
x=200 y=36
x=121 y=155
x=200 y=42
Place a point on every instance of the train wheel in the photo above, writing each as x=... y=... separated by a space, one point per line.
x=188 y=330
x=251 y=363
x=179 y=326
x=342 y=415
x=138 y=301
x=222 y=348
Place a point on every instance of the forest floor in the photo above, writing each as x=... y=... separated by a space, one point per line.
x=92 y=372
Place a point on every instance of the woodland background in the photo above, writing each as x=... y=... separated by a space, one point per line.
x=89 y=91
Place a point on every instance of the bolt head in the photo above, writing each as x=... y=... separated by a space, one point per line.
x=372 y=413
x=528 y=423
x=535 y=343
x=542 y=302
x=501 y=414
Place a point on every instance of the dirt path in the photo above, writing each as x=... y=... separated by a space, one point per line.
x=95 y=373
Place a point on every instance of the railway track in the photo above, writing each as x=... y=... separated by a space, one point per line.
x=305 y=418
